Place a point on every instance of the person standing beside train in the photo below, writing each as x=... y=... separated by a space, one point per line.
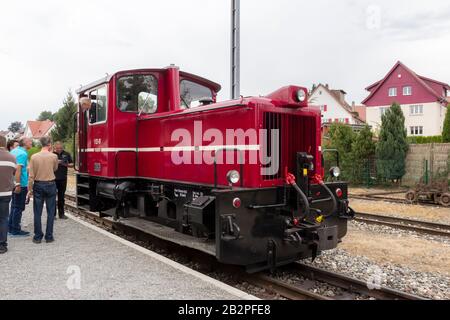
x=42 y=187
x=21 y=188
x=7 y=171
x=64 y=162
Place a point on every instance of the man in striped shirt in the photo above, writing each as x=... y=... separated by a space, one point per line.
x=7 y=172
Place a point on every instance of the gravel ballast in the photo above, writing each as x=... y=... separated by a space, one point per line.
x=430 y=285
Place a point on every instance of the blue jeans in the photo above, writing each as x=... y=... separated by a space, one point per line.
x=17 y=207
x=44 y=192
x=4 y=213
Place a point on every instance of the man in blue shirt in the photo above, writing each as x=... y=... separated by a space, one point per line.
x=21 y=188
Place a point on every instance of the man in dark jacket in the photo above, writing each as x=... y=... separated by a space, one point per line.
x=7 y=172
x=64 y=162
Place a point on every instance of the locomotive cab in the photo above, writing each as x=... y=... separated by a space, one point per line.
x=242 y=179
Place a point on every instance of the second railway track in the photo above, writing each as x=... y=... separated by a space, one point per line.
x=379 y=198
x=422 y=227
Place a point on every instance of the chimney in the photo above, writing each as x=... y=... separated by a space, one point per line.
x=353 y=106
x=327 y=86
x=340 y=95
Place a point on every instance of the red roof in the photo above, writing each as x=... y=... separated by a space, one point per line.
x=422 y=80
x=40 y=129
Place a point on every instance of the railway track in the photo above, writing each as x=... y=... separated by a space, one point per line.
x=384 y=193
x=349 y=288
x=352 y=288
x=422 y=227
x=391 y=200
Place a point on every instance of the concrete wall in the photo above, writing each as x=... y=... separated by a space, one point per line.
x=438 y=156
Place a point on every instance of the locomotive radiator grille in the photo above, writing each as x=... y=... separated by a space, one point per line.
x=272 y=121
x=295 y=134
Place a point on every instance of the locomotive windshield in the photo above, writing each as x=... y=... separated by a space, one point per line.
x=138 y=93
x=192 y=93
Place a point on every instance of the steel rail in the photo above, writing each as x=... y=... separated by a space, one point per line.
x=423 y=227
x=283 y=289
x=393 y=200
x=352 y=284
x=384 y=193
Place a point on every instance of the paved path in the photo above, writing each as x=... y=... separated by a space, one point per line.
x=109 y=268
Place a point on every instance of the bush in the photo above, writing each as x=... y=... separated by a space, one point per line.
x=425 y=140
x=341 y=138
x=33 y=151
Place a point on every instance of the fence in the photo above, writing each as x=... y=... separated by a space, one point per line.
x=427 y=163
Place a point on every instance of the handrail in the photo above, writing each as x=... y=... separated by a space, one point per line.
x=332 y=151
x=75 y=129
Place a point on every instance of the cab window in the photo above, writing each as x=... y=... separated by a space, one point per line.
x=192 y=93
x=98 y=111
x=138 y=93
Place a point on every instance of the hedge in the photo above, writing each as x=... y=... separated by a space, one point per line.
x=425 y=140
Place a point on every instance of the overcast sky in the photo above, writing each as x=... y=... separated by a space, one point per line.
x=48 y=47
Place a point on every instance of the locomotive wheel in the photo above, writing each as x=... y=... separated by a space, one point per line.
x=445 y=200
x=411 y=196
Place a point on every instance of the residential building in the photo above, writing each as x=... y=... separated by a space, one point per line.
x=423 y=100
x=360 y=110
x=334 y=107
x=38 y=129
x=9 y=135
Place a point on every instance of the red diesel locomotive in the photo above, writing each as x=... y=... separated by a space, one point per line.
x=241 y=179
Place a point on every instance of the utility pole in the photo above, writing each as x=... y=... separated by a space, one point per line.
x=235 y=49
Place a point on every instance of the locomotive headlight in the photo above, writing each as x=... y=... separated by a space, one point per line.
x=301 y=96
x=335 y=172
x=233 y=177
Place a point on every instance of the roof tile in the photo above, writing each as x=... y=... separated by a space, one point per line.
x=40 y=129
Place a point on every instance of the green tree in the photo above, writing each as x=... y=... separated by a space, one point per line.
x=446 y=132
x=341 y=138
x=16 y=127
x=46 y=115
x=363 y=149
x=64 y=119
x=393 y=146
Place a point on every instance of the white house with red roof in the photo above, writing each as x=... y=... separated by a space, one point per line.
x=38 y=129
x=423 y=100
x=334 y=107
